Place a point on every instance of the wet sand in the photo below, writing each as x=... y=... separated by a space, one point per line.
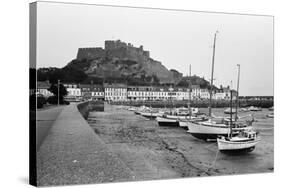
x=153 y=152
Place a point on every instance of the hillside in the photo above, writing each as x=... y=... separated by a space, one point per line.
x=117 y=62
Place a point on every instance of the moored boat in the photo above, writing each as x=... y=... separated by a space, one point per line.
x=244 y=110
x=213 y=128
x=228 y=111
x=253 y=108
x=244 y=142
x=149 y=114
x=271 y=115
x=167 y=122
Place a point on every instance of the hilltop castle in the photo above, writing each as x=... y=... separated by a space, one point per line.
x=113 y=49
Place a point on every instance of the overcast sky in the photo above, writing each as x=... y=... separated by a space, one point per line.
x=176 y=38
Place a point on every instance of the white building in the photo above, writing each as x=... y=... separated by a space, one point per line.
x=97 y=92
x=115 y=92
x=140 y=93
x=42 y=88
x=182 y=93
x=224 y=94
x=204 y=94
x=73 y=90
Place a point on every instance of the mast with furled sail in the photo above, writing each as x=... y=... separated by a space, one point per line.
x=212 y=74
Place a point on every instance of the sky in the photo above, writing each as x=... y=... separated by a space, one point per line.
x=176 y=38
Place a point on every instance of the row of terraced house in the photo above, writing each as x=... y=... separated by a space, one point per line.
x=122 y=92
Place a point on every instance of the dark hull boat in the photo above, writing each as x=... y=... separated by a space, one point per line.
x=150 y=115
x=167 y=122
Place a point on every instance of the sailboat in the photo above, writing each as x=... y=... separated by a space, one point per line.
x=214 y=127
x=180 y=116
x=169 y=119
x=245 y=141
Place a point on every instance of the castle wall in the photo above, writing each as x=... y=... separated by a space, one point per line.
x=112 y=49
x=90 y=53
x=123 y=50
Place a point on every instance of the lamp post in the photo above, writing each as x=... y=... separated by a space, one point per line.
x=58 y=92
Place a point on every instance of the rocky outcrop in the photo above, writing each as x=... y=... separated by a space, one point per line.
x=119 y=59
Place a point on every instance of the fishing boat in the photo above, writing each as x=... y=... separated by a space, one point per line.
x=244 y=141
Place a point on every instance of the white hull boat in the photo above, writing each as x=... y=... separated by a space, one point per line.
x=183 y=124
x=175 y=117
x=271 y=115
x=244 y=143
x=211 y=130
x=252 y=108
x=206 y=130
x=152 y=115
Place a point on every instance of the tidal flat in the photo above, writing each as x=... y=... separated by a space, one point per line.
x=153 y=152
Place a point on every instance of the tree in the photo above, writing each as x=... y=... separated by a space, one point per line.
x=62 y=91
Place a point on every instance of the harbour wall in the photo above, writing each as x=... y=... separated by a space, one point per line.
x=86 y=107
x=73 y=154
x=198 y=103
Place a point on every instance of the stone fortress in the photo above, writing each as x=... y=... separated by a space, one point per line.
x=113 y=49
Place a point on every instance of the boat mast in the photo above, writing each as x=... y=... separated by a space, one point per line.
x=230 y=126
x=237 y=97
x=189 y=92
x=212 y=74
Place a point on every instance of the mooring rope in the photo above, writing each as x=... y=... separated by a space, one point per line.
x=213 y=163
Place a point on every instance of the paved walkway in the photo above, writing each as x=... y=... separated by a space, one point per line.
x=44 y=121
x=73 y=154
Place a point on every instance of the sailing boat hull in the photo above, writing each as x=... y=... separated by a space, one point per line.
x=206 y=132
x=167 y=122
x=149 y=115
x=232 y=146
x=183 y=124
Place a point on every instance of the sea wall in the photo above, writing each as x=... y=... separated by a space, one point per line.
x=86 y=107
x=73 y=154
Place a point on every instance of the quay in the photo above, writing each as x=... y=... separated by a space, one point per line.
x=73 y=154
